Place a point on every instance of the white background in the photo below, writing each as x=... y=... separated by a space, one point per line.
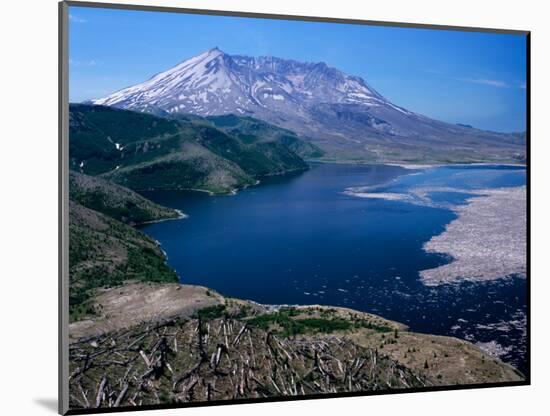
x=28 y=230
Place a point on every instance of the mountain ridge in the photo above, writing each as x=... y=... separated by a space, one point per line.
x=340 y=113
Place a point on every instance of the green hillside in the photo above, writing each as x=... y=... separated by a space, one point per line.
x=251 y=130
x=115 y=201
x=104 y=252
x=97 y=135
x=145 y=152
x=192 y=167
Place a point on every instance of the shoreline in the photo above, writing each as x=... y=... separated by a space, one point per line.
x=230 y=192
x=181 y=215
x=442 y=165
x=406 y=165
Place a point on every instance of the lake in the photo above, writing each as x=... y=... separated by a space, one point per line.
x=306 y=238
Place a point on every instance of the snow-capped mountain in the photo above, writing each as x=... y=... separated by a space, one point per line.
x=215 y=83
x=341 y=112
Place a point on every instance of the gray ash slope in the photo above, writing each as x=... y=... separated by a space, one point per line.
x=341 y=113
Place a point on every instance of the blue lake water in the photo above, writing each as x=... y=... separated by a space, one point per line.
x=300 y=240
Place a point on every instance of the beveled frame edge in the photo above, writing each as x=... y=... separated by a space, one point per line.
x=63 y=207
x=170 y=9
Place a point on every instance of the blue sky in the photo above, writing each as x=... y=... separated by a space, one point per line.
x=458 y=77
